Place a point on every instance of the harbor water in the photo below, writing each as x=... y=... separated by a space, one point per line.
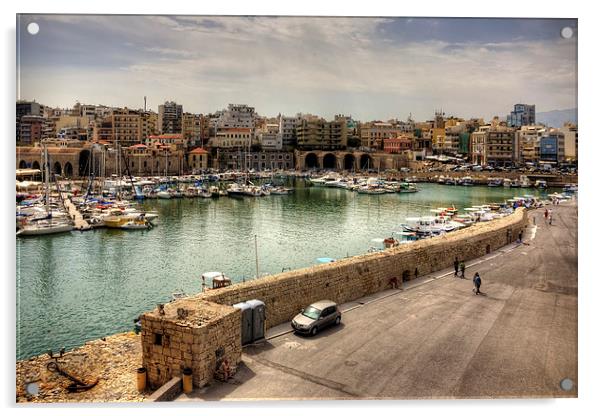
x=80 y=286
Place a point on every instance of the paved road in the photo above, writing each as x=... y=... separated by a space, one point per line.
x=438 y=339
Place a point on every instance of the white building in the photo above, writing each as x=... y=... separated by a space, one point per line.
x=270 y=137
x=571 y=138
x=237 y=116
x=288 y=130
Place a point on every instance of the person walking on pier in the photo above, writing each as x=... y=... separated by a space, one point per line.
x=462 y=268
x=456 y=266
x=477 y=284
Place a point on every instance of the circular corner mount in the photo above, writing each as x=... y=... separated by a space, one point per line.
x=33 y=28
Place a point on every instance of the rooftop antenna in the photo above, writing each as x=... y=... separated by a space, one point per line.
x=145 y=103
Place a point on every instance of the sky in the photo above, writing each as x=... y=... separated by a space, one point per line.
x=369 y=68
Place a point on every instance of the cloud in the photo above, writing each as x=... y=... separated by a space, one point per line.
x=365 y=66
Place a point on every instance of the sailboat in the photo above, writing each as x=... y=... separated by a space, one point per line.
x=48 y=224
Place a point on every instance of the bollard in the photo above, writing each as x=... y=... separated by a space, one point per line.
x=187 y=380
x=141 y=379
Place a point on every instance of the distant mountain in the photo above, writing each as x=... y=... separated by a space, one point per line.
x=556 y=118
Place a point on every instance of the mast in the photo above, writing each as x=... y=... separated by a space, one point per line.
x=46 y=181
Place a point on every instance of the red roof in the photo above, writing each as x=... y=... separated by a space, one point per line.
x=198 y=151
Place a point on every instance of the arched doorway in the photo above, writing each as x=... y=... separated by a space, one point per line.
x=329 y=161
x=35 y=165
x=366 y=162
x=349 y=162
x=22 y=164
x=311 y=161
x=68 y=170
x=84 y=163
x=57 y=168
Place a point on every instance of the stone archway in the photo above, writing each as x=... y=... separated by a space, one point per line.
x=22 y=164
x=35 y=165
x=349 y=162
x=68 y=170
x=85 y=166
x=329 y=161
x=311 y=161
x=366 y=162
x=56 y=169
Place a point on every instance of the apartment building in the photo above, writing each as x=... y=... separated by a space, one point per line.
x=170 y=118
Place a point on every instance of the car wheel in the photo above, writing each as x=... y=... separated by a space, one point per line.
x=314 y=331
x=337 y=321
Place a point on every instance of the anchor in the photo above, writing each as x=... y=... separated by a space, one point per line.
x=77 y=385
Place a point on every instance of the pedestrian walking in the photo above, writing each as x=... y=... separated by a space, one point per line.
x=477 y=284
x=462 y=268
x=545 y=214
x=456 y=266
x=550 y=217
x=520 y=236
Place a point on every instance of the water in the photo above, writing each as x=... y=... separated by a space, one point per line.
x=80 y=286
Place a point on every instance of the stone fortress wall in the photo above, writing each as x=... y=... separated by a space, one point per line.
x=284 y=294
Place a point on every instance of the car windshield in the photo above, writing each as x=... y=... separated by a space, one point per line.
x=311 y=312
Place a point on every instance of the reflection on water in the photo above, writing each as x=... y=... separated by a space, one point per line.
x=80 y=286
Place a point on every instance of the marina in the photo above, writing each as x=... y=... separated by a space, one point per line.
x=78 y=286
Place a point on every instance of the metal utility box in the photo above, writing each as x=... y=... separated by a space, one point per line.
x=246 y=329
x=258 y=308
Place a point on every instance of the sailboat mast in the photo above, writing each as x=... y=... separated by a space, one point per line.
x=46 y=181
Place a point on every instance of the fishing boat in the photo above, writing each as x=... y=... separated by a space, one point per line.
x=164 y=194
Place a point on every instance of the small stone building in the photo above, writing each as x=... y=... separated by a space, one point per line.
x=190 y=333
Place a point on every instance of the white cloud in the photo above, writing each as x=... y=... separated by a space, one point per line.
x=300 y=64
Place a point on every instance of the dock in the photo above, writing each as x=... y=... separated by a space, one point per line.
x=79 y=223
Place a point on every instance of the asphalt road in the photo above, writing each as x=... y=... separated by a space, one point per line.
x=439 y=339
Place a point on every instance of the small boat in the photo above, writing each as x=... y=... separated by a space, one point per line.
x=218 y=280
x=507 y=183
x=467 y=181
x=494 y=182
x=164 y=195
x=541 y=184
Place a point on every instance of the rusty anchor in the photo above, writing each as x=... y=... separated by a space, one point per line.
x=77 y=385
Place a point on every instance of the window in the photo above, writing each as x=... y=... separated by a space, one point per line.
x=158 y=339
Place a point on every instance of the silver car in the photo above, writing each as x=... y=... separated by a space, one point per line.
x=316 y=317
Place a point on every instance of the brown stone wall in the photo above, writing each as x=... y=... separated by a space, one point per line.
x=286 y=293
x=171 y=343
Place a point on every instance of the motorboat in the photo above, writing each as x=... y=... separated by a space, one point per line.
x=494 y=182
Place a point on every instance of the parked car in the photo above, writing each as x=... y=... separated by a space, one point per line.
x=316 y=317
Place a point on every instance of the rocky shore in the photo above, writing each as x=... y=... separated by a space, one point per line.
x=112 y=360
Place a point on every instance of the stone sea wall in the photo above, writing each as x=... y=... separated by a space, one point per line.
x=201 y=331
x=344 y=280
